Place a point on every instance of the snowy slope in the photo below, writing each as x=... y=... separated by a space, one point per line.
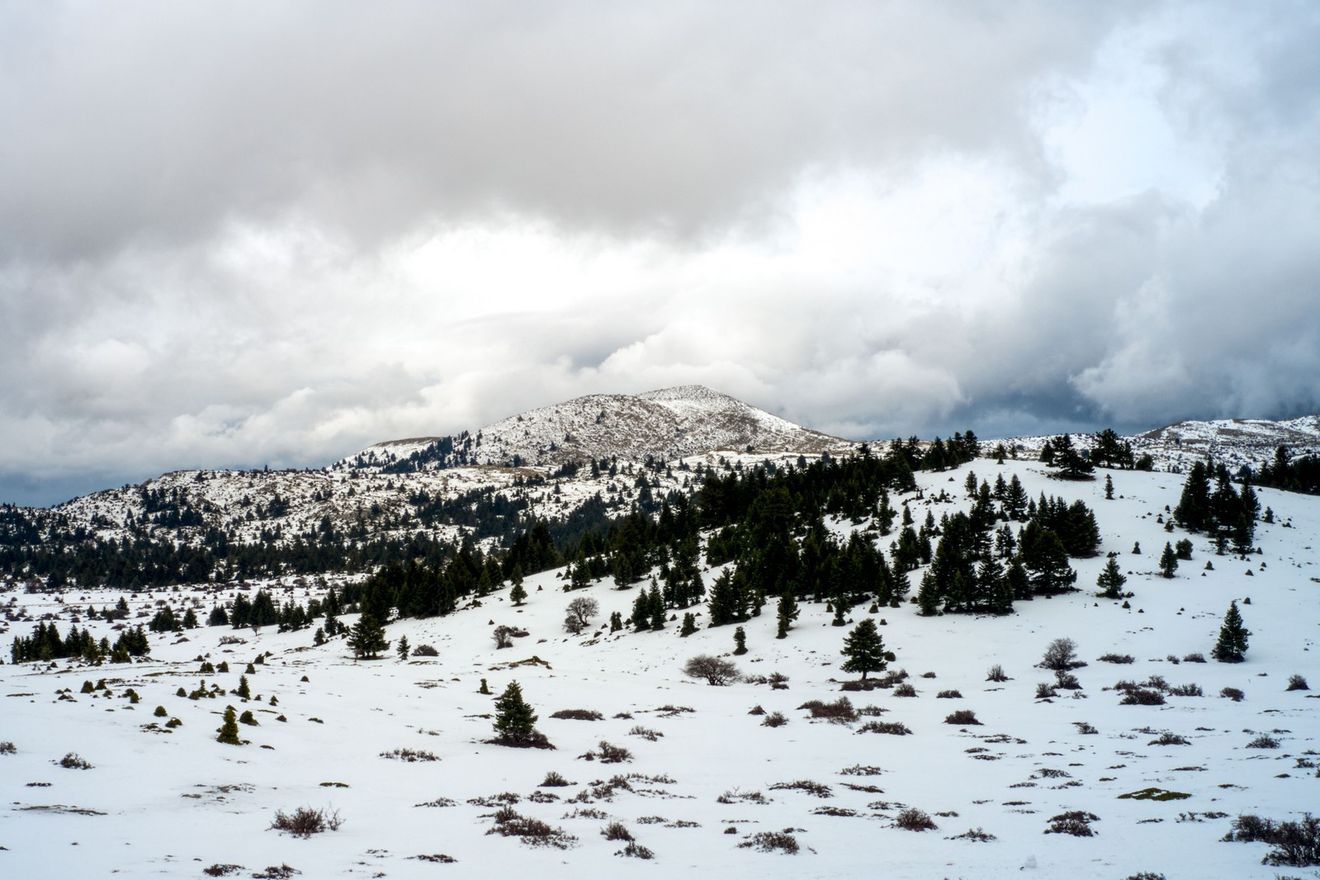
x=172 y=804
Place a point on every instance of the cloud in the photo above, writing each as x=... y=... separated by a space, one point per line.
x=278 y=233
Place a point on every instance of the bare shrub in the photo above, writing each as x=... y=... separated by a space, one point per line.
x=1170 y=739
x=905 y=690
x=862 y=770
x=758 y=709
x=1295 y=843
x=772 y=841
x=894 y=728
x=578 y=614
x=1116 y=658
x=645 y=733
x=425 y=651
x=1297 y=683
x=1142 y=697
x=7 y=748
x=1186 y=690
x=1066 y=681
x=72 y=761
x=1045 y=691
x=962 y=716
x=305 y=821
x=578 y=715
x=1074 y=822
x=714 y=670
x=503 y=636
x=410 y=756
x=1234 y=694
x=554 y=779
x=912 y=819
x=774 y=719
x=737 y=796
x=635 y=850
x=812 y=788
x=533 y=832
x=616 y=831
x=949 y=695
x=1085 y=727
x=975 y=835
x=219 y=870
x=841 y=711
x=996 y=673
x=607 y=753
x=1194 y=658
x=1264 y=741
x=1061 y=654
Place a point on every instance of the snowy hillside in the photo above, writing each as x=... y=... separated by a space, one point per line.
x=707 y=784
x=667 y=424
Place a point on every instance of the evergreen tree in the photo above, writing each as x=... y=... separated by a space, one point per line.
x=518 y=594
x=367 y=638
x=1111 y=580
x=229 y=728
x=928 y=595
x=515 y=722
x=616 y=622
x=641 y=612
x=689 y=624
x=865 y=649
x=788 y=612
x=739 y=641
x=1168 y=561
x=1231 y=647
x=1109 y=488
x=403 y=648
x=1193 y=510
x=656 y=607
x=244 y=689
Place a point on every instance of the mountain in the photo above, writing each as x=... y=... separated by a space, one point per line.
x=1237 y=443
x=665 y=425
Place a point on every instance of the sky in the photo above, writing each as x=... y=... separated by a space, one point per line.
x=248 y=233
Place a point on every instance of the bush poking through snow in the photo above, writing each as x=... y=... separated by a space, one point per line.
x=912 y=819
x=1295 y=843
x=1170 y=739
x=774 y=719
x=533 y=832
x=1233 y=694
x=962 y=716
x=812 y=788
x=607 y=753
x=975 y=835
x=895 y=728
x=949 y=695
x=1074 y=822
x=715 y=671
x=554 y=779
x=841 y=711
x=645 y=733
x=1264 y=741
x=635 y=850
x=1142 y=697
x=1297 y=683
x=72 y=761
x=578 y=715
x=616 y=831
x=772 y=841
x=1061 y=654
x=304 y=821
x=996 y=673
x=410 y=756
x=7 y=748
x=425 y=651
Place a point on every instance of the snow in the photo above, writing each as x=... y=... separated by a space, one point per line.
x=175 y=803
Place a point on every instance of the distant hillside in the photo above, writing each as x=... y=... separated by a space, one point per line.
x=665 y=425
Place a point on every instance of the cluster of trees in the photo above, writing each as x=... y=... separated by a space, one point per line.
x=1107 y=450
x=1226 y=514
x=1301 y=474
x=46 y=644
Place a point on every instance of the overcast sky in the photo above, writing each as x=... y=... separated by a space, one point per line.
x=236 y=234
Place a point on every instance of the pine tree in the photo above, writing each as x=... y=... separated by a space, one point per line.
x=518 y=594
x=1109 y=488
x=367 y=638
x=244 y=691
x=1168 y=561
x=229 y=728
x=403 y=648
x=616 y=622
x=1231 y=647
x=788 y=612
x=656 y=606
x=928 y=595
x=515 y=722
x=689 y=624
x=1111 y=580
x=865 y=649
x=641 y=612
x=739 y=641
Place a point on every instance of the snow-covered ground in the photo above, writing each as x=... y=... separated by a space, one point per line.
x=172 y=804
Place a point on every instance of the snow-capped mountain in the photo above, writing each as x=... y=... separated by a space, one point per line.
x=666 y=425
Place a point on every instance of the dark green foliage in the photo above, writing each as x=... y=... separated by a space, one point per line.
x=403 y=648
x=1231 y=646
x=1300 y=474
x=244 y=691
x=864 y=649
x=367 y=638
x=228 y=733
x=515 y=722
x=739 y=641
x=786 y=614
x=689 y=624
x=1168 y=561
x=1111 y=580
x=1070 y=462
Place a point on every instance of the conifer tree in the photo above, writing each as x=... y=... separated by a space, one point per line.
x=518 y=594
x=244 y=691
x=928 y=595
x=515 y=722
x=689 y=624
x=1231 y=647
x=229 y=728
x=865 y=649
x=1168 y=561
x=1109 y=488
x=787 y=613
x=739 y=641
x=1111 y=580
x=656 y=605
x=403 y=648
x=367 y=638
x=616 y=622
x=641 y=612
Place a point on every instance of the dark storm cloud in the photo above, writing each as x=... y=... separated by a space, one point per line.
x=237 y=234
